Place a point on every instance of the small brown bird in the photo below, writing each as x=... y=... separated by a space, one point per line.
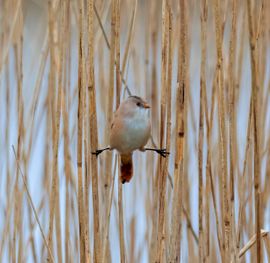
x=130 y=131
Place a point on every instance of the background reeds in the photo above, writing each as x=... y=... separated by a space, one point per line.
x=204 y=67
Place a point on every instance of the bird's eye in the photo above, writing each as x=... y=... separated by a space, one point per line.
x=138 y=104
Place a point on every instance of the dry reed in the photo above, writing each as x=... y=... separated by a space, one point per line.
x=202 y=65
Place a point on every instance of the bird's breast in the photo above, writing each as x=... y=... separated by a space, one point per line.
x=138 y=130
x=132 y=134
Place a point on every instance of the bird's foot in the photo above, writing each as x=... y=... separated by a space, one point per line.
x=162 y=152
x=99 y=151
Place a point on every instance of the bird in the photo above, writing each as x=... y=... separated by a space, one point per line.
x=130 y=130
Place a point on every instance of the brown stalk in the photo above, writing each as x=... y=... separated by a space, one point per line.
x=175 y=244
x=209 y=173
x=54 y=122
x=154 y=117
x=93 y=137
x=254 y=96
x=80 y=136
x=203 y=251
x=111 y=96
x=162 y=173
x=67 y=168
x=243 y=177
x=232 y=128
x=112 y=59
x=239 y=71
x=263 y=95
x=132 y=243
x=56 y=140
x=204 y=18
x=121 y=219
x=267 y=245
x=118 y=93
x=18 y=213
x=169 y=86
x=8 y=210
x=85 y=22
x=117 y=52
x=108 y=217
x=241 y=184
x=226 y=224
x=67 y=157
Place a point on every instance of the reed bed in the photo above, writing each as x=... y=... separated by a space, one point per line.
x=203 y=66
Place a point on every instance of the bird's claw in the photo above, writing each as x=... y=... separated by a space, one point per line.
x=97 y=152
x=163 y=152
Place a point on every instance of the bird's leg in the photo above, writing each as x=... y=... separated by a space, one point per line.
x=162 y=152
x=99 y=151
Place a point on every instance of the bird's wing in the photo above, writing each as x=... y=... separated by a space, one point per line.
x=113 y=120
x=115 y=116
x=112 y=124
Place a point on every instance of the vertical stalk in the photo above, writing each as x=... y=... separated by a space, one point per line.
x=121 y=219
x=118 y=93
x=93 y=140
x=256 y=164
x=80 y=136
x=175 y=253
x=232 y=129
x=18 y=212
x=162 y=171
x=51 y=106
x=202 y=252
x=226 y=225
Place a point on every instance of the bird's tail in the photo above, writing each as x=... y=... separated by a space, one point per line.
x=126 y=167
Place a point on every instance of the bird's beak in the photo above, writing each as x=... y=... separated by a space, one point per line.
x=147 y=106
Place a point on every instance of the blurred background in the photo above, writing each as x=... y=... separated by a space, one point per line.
x=64 y=67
